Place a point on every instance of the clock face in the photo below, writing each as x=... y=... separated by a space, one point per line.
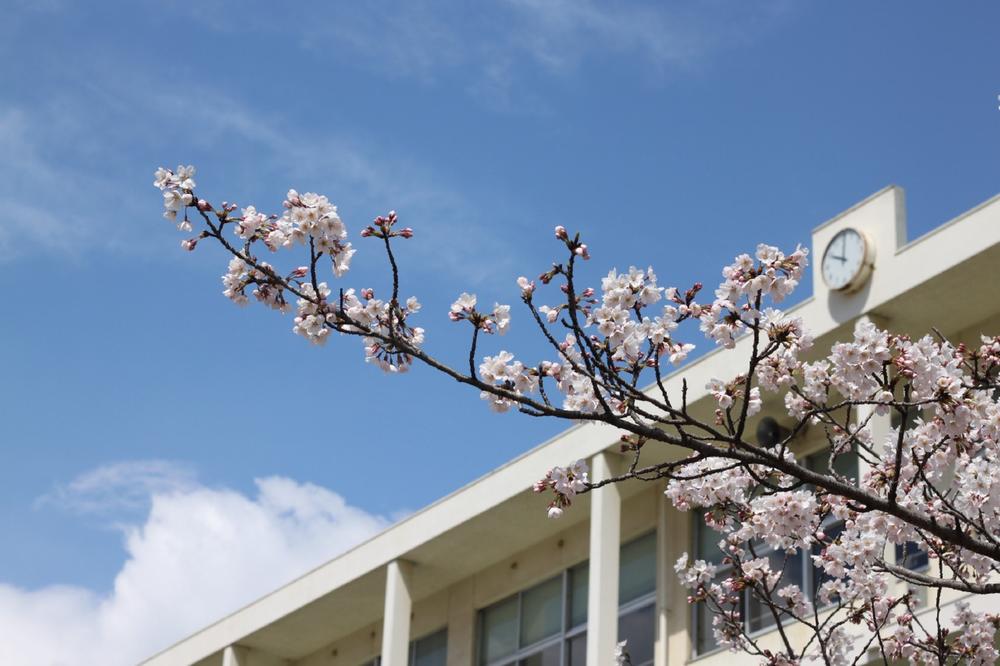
x=846 y=261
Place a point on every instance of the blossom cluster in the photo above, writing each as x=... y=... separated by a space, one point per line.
x=309 y=220
x=464 y=309
x=503 y=372
x=565 y=483
x=178 y=192
x=316 y=317
x=747 y=281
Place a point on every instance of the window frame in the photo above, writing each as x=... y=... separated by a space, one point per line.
x=566 y=632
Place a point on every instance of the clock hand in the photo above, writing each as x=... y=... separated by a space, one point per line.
x=840 y=259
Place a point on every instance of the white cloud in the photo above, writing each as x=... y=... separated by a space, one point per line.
x=199 y=554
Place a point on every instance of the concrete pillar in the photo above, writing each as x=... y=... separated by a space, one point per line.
x=678 y=537
x=665 y=580
x=235 y=655
x=396 y=619
x=605 y=543
x=461 y=624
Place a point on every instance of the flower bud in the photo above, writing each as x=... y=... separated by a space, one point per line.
x=555 y=512
x=189 y=244
x=301 y=271
x=561 y=233
x=406 y=232
x=582 y=252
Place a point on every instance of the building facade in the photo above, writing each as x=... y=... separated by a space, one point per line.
x=483 y=578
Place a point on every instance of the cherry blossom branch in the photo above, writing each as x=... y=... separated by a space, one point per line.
x=615 y=341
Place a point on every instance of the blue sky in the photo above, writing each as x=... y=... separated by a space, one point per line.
x=670 y=134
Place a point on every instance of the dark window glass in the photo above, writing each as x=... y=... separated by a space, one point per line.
x=704 y=639
x=499 y=631
x=846 y=464
x=548 y=656
x=912 y=414
x=543 y=625
x=637 y=568
x=639 y=628
x=576 y=648
x=707 y=540
x=759 y=614
x=430 y=650
x=541 y=611
x=579 y=579
x=912 y=556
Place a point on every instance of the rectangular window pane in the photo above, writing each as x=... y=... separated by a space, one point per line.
x=912 y=414
x=576 y=649
x=846 y=463
x=760 y=615
x=637 y=569
x=704 y=639
x=579 y=577
x=911 y=556
x=431 y=650
x=499 y=637
x=548 y=656
x=639 y=628
x=541 y=611
x=706 y=546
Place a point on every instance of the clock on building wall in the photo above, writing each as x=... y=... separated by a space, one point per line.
x=848 y=260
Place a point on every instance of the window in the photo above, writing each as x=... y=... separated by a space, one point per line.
x=796 y=569
x=431 y=650
x=546 y=625
x=912 y=555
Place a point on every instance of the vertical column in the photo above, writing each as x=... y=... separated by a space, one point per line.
x=605 y=542
x=234 y=655
x=677 y=530
x=396 y=619
x=461 y=625
x=665 y=580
